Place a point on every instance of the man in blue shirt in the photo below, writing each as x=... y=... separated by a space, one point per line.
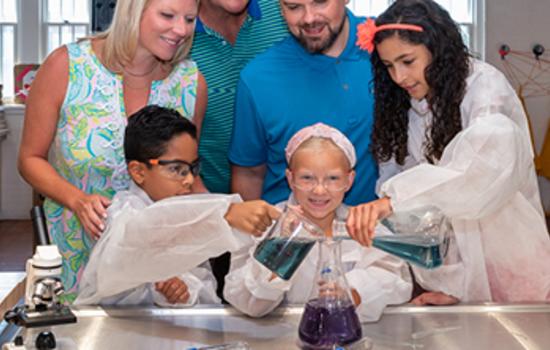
x=316 y=75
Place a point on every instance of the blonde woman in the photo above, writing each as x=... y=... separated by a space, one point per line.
x=78 y=110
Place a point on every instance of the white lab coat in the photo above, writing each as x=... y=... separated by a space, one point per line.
x=379 y=278
x=485 y=182
x=146 y=242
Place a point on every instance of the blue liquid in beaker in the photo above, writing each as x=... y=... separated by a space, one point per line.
x=324 y=327
x=283 y=255
x=424 y=251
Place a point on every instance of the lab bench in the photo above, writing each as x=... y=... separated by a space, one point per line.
x=483 y=326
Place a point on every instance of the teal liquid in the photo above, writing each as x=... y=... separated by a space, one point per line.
x=423 y=251
x=282 y=256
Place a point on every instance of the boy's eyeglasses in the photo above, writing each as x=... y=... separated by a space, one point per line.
x=177 y=169
x=331 y=183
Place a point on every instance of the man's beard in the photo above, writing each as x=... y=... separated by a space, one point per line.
x=320 y=46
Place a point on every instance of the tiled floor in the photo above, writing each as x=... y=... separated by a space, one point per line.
x=15 y=244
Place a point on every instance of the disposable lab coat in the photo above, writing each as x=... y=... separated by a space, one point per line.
x=146 y=242
x=485 y=182
x=379 y=278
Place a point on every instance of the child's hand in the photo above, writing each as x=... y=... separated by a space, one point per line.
x=330 y=290
x=362 y=219
x=251 y=216
x=356 y=297
x=434 y=298
x=333 y=290
x=174 y=290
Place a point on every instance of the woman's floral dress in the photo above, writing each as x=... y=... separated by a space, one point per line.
x=88 y=147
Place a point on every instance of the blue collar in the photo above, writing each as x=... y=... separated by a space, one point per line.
x=254 y=11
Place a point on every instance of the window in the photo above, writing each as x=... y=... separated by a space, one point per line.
x=65 y=21
x=31 y=29
x=8 y=31
x=467 y=13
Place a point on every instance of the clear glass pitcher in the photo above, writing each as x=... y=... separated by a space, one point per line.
x=329 y=320
x=420 y=236
x=287 y=243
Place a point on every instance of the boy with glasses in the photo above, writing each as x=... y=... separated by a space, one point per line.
x=158 y=229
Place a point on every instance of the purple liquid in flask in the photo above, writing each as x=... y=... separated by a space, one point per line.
x=329 y=317
x=323 y=327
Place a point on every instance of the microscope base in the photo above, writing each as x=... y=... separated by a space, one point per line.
x=23 y=317
x=49 y=317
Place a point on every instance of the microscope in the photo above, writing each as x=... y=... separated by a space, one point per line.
x=43 y=287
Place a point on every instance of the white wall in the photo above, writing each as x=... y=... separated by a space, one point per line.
x=520 y=25
x=15 y=193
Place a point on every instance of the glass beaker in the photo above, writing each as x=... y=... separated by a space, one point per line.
x=420 y=236
x=329 y=319
x=287 y=243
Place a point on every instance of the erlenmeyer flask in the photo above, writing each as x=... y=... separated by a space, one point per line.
x=329 y=319
x=419 y=236
x=287 y=243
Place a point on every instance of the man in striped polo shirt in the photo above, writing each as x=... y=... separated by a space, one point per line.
x=228 y=34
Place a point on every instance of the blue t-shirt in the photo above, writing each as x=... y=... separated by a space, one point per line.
x=285 y=89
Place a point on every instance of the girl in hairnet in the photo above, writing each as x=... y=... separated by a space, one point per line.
x=320 y=172
x=450 y=131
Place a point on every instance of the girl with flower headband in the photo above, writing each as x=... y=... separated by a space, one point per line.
x=450 y=131
x=320 y=171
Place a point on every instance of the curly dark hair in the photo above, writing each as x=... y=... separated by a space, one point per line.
x=446 y=76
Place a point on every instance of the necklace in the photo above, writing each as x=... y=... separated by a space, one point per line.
x=129 y=72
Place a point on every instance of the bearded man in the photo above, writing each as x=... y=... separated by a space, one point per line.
x=317 y=74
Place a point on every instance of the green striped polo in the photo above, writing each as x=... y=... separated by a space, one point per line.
x=221 y=63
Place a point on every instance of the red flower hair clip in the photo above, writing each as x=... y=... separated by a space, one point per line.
x=368 y=29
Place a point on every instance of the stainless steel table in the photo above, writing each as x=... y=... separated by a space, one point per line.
x=486 y=326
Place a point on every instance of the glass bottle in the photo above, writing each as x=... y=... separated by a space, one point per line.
x=420 y=236
x=329 y=319
x=287 y=243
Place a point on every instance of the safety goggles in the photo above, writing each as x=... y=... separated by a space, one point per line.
x=177 y=169
x=331 y=183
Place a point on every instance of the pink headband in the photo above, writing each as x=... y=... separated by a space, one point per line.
x=368 y=29
x=323 y=131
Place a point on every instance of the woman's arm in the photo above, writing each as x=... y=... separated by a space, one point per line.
x=41 y=116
